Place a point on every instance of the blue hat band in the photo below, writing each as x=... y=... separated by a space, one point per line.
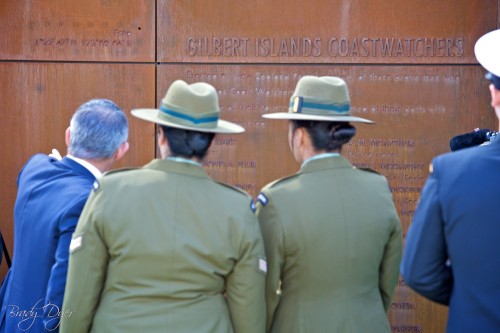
x=188 y=120
x=298 y=105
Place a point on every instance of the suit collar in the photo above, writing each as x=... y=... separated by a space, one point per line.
x=87 y=165
x=332 y=162
x=77 y=167
x=177 y=167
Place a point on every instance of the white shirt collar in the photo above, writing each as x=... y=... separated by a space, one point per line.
x=317 y=157
x=183 y=160
x=89 y=166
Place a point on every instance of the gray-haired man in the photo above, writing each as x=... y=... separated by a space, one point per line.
x=51 y=196
x=452 y=244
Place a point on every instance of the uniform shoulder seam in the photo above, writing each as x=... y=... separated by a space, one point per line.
x=369 y=170
x=119 y=170
x=280 y=180
x=234 y=188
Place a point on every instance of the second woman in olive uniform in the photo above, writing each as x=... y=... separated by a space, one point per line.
x=331 y=231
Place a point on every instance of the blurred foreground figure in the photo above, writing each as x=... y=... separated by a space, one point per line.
x=451 y=254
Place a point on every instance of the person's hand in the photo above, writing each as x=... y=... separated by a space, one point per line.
x=55 y=154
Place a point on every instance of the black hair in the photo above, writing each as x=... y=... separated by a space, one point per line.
x=326 y=135
x=186 y=143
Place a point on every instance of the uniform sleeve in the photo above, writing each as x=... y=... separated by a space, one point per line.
x=273 y=240
x=424 y=265
x=86 y=273
x=245 y=285
x=389 y=268
x=57 y=280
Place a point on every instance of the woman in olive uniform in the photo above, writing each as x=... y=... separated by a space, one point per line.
x=331 y=231
x=164 y=248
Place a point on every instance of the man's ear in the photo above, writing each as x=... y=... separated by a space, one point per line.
x=122 y=150
x=67 y=137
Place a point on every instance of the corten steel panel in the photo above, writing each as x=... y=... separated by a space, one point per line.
x=336 y=31
x=92 y=30
x=36 y=104
x=417 y=111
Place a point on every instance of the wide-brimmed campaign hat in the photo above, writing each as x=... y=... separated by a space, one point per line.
x=487 y=50
x=190 y=106
x=323 y=98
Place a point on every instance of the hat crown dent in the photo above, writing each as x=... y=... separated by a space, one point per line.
x=324 y=90
x=324 y=98
x=192 y=107
x=196 y=100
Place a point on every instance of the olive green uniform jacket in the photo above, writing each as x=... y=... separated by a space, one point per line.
x=165 y=249
x=333 y=242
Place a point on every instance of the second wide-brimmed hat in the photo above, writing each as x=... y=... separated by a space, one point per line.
x=190 y=106
x=487 y=50
x=324 y=98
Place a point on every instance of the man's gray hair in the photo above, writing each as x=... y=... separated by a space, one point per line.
x=97 y=129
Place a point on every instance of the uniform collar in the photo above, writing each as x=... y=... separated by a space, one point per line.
x=168 y=165
x=325 y=162
x=319 y=156
x=182 y=160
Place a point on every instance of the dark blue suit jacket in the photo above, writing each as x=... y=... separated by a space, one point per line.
x=453 y=245
x=51 y=196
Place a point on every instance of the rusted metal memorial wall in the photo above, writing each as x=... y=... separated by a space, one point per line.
x=410 y=67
